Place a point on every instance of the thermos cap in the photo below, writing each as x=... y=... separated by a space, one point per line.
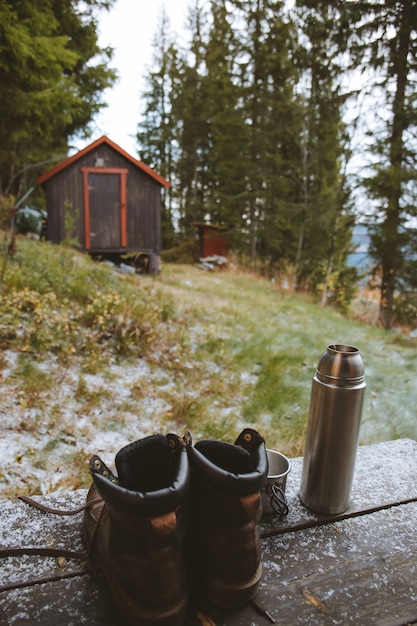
x=341 y=365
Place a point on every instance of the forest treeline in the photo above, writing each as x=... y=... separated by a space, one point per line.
x=284 y=122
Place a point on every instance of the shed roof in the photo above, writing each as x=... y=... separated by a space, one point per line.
x=208 y=226
x=64 y=164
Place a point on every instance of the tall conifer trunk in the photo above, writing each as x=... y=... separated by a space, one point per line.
x=391 y=260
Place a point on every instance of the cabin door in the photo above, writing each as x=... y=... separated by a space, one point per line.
x=104 y=208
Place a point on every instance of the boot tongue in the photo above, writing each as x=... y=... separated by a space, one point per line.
x=229 y=457
x=145 y=465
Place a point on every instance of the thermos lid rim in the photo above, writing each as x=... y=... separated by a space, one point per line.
x=339 y=347
x=353 y=380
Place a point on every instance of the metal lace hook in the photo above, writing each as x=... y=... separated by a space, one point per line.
x=278 y=500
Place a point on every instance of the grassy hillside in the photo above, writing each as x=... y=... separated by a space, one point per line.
x=92 y=359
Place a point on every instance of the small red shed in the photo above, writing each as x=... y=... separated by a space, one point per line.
x=211 y=240
x=109 y=200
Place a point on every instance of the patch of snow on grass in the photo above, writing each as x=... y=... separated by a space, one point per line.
x=46 y=447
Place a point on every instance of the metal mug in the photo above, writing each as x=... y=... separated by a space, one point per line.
x=273 y=496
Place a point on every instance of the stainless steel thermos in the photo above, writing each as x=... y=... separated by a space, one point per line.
x=335 y=412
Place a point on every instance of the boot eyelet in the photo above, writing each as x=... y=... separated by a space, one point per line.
x=106 y=474
x=97 y=464
x=247 y=437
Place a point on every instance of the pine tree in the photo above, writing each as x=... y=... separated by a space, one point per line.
x=379 y=38
x=189 y=114
x=157 y=129
x=271 y=112
x=394 y=181
x=327 y=220
x=49 y=87
x=226 y=127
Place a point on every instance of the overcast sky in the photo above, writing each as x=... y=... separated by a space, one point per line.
x=129 y=28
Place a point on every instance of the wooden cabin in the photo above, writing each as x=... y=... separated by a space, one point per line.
x=108 y=201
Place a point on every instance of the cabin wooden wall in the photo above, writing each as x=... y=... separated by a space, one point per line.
x=66 y=186
x=143 y=211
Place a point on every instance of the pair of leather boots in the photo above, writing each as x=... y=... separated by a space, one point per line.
x=178 y=525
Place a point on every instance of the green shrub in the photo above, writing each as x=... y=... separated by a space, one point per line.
x=59 y=301
x=405 y=309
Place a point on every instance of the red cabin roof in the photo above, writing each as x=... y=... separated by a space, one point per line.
x=61 y=166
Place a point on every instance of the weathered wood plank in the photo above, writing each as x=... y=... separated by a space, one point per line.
x=80 y=600
x=359 y=570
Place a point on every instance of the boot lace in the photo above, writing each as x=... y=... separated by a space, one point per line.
x=55 y=552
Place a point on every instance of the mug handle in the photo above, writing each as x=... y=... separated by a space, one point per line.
x=278 y=500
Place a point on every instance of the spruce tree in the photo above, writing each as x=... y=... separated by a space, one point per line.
x=226 y=127
x=50 y=88
x=379 y=40
x=327 y=219
x=272 y=115
x=157 y=129
x=189 y=113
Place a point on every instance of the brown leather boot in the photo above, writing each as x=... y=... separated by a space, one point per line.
x=225 y=510
x=137 y=532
